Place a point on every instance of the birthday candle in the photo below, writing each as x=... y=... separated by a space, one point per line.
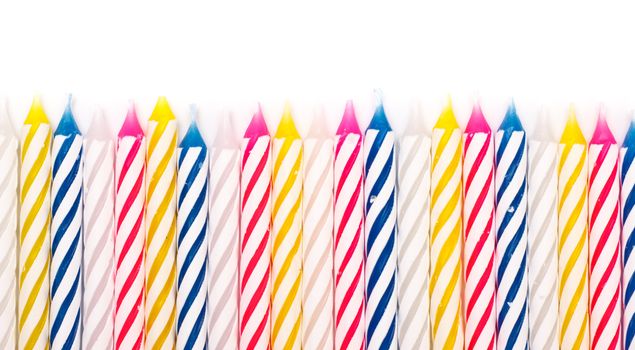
x=511 y=232
x=99 y=236
x=604 y=239
x=192 y=240
x=348 y=259
x=224 y=220
x=572 y=232
x=627 y=154
x=35 y=217
x=413 y=255
x=66 y=234
x=8 y=229
x=317 y=247
x=542 y=239
x=255 y=267
x=445 y=239
x=161 y=217
x=479 y=235
x=287 y=235
x=380 y=233
x=130 y=235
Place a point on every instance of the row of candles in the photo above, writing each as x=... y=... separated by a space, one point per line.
x=463 y=239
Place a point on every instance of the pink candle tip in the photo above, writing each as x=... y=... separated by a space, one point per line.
x=602 y=133
x=349 y=124
x=131 y=126
x=258 y=126
x=477 y=122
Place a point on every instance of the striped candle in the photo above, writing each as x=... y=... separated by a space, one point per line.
x=317 y=247
x=511 y=232
x=66 y=234
x=445 y=238
x=161 y=218
x=413 y=254
x=542 y=239
x=604 y=240
x=224 y=245
x=348 y=259
x=286 y=257
x=8 y=229
x=380 y=233
x=479 y=236
x=255 y=268
x=130 y=234
x=35 y=217
x=98 y=307
x=572 y=232
x=627 y=154
x=191 y=256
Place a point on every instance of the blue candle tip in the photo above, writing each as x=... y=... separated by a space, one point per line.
x=511 y=122
x=629 y=140
x=379 y=121
x=193 y=137
x=67 y=125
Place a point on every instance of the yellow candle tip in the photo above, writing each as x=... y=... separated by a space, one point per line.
x=162 y=111
x=36 y=113
x=572 y=133
x=286 y=128
x=447 y=120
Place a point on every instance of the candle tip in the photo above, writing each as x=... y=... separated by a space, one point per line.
x=226 y=136
x=543 y=130
x=99 y=128
x=286 y=127
x=602 y=133
x=131 y=126
x=629 y=139
x=258 y=126
x=68 y=125
x=349 y=124
x=6 y=126
x=162 y=111
x=447 y=120
x=319 y=129
x=415 y=124
x=511 y=121
x=193 y=137
x=36 y=113
x=572 y=134
x=379 y=120
x=477 y=122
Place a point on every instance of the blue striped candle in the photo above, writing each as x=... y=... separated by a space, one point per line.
x=627 y=154
x=511 y=232
x=380 y=233
x=66 y=234
x=191 y=256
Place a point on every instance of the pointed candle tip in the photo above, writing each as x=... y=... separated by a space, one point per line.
x=226 y=135
x=162 y=111
x=286 y=127
x=415 y=125
x=6 y=126
x=543 y=130
x=349 y=124
x=477 y=122
x=602 y=133
x=511 y=121
x=193 y=137
x=99 y=128
x=319 y=129
x=131 y=126
x=68 y=125
x=629 y=139
x=447 y=120
x=36 y=113
x=572 y=134
x=379 y=120
x=258 y=126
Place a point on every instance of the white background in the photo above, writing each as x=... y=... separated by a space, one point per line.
x=227 y=55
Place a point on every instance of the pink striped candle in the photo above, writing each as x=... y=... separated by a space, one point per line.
x=478 y=215
x=604 y=239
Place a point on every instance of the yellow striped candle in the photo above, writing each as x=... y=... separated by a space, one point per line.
x=287 y=235
x=445 y=248
x=573 y=237
x=35 y=217
x=161 y=230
